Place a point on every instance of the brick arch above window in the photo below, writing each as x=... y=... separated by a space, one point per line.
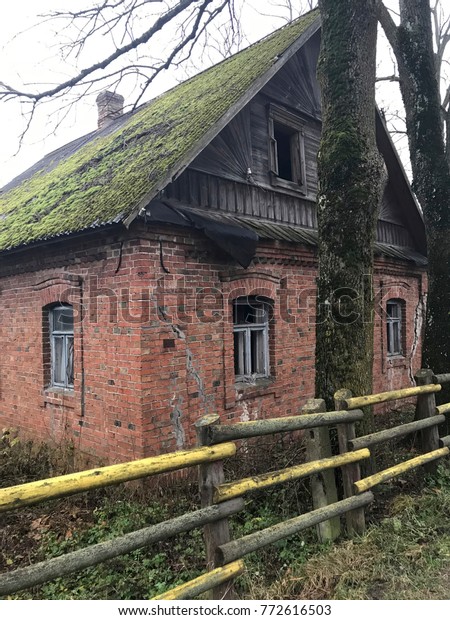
x=254 y=276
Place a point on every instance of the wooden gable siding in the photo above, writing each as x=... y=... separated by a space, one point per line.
x=211 y=192
x=295 y=85
x=232 y=173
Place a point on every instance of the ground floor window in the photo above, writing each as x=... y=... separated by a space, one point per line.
x=395 y=326
x=251 y=338
x=61 y=346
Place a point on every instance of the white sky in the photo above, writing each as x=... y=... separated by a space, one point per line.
x=33 y=58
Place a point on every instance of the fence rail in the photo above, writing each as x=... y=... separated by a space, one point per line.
x=394 y=433
x=264 y=481
x=397 y=470
x=42 y=572
x=209 y=581
x=258 y=428
x=220 y=499
x=61 y=486
x=257 y=540
x=384 y=397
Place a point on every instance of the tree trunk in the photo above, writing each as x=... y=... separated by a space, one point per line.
x=351 y=181
x=431 y=174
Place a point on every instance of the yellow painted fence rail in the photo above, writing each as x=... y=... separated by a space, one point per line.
x=88 y=480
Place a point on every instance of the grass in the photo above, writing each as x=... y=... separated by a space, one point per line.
x=405 y=553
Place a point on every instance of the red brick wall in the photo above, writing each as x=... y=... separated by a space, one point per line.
x=155 y=346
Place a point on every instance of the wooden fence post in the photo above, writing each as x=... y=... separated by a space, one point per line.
x=426 y=408
x=211 y=475
x=323 y=485
x=356 y=523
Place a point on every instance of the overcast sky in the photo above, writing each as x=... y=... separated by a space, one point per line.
x=33 y=57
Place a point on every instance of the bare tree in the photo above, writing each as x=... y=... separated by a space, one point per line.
x=392 y=108
x=420 y=69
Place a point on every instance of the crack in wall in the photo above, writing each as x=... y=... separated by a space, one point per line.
x=199 y=381
x=419 y=314
x=195 y=374
x=175 y=416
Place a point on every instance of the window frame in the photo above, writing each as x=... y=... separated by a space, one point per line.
x=247 y=330
x=395 y=323
x=294 y=126
x=64 y=335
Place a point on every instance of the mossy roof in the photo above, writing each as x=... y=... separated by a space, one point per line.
x=111 y=173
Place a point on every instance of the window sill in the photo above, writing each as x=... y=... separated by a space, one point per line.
x=260 y=387
x=62 y=397
x=397 y=361
x=279 y=182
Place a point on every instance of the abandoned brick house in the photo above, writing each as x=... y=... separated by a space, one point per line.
x=163 y=266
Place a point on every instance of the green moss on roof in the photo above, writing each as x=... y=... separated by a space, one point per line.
x=105 y=180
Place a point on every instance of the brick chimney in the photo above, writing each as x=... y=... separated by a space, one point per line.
x=109 y=107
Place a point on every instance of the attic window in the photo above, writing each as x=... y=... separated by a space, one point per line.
x=287 y=151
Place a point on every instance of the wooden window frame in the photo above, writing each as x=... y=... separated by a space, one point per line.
x=246 y=330
x=395 y=324
x=65 y=335
x=295 y=126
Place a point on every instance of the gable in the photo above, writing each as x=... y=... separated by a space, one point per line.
x=217 y=123
x=243 y=146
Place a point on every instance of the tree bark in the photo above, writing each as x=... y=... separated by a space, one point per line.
x=431 y=174
x=351 y=181
x=412 y=43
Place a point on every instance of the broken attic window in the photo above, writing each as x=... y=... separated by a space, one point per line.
x=287 y=152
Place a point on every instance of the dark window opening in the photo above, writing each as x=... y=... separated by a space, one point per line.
x=287 y=150
x=283 y=138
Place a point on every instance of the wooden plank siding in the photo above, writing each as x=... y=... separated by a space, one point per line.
x=199 y=189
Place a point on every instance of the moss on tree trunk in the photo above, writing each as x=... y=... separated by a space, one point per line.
x=351 y=181
x=430 y=167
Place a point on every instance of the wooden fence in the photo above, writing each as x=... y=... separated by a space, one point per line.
x=221 y=499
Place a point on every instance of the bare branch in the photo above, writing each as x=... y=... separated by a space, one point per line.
x=164 y=19
x=389 y=27
x=446 y=100
x=388 y=78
